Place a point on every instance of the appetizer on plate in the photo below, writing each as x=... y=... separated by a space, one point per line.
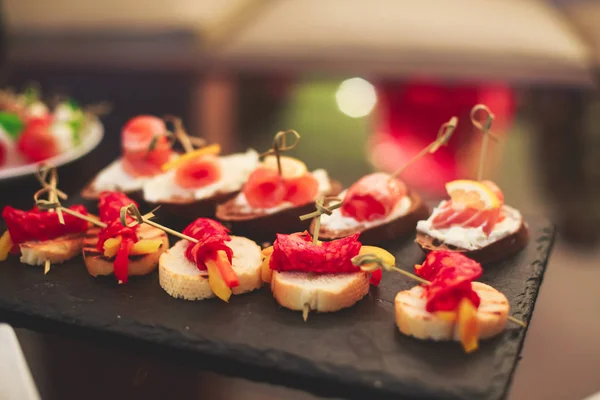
x=32 y=130
x=121 y=249
x=211 y=264
x=452 y=306
x=146 y=147
x=448 y=305
x=195 y=182
x=380 y=206
x=40 y=237
x=277 y=192
x=44 y=235
x=308 y=275
x=475 y=222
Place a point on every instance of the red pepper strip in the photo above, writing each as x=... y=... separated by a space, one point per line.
x=121 y=264
x=375 y=277
x=226 y=270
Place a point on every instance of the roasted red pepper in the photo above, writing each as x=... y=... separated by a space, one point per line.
x=451 y=275
x=36 y=224
x=110 y=205
x=211 y=237
x=121 y=264
x=296 y=252
x=114 y=229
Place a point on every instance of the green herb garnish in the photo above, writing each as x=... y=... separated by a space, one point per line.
x=12 y=124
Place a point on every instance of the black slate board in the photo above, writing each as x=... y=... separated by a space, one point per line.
x=355 y=353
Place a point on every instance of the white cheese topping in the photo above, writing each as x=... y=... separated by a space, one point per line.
x=337 y=222
x=244 y=208
x=473 y=238
x=114 y=177
x=235 y=170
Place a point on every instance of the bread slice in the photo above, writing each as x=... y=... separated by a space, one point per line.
x=413 y=320
x=263 y=226
x=397 y=228
x=98 y=264
x=182 y=208
x=321 y=293
x=56 y=250
x=496 y=251
x=181 y=278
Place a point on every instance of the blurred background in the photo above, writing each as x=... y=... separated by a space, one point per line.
x=367 y=84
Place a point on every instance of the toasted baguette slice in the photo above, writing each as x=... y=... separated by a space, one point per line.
x=321 y=293
x=413 y=320
x=496 y=251
x=181 y=278
x=400 y=227
x=262 y=226
x=98 y=264
x=56 y=250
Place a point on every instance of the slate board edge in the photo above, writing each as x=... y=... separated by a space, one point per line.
x=544 y=244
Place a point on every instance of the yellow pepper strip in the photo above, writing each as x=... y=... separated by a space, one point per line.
x=6 y=244
x=266 y=272
x=449 y=316
x=216 y=282
x=111 y=246
x=386 y=256
x=145 y=246
x=212 y=149
x=468 y=329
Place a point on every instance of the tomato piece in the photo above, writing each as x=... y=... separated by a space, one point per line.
x=36 y=142
x=265 y=188
x=301 y=190
x=198 y=172
x=2 y=153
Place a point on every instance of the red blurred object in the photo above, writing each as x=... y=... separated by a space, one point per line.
x=409 y=116
x=36 y=143
x=2 y=153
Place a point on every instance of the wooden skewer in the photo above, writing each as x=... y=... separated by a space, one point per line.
x=305 y=311
x=370 y=263
x=279 y=146
x=180 y=133
x=485 y=130
x=324 y=206
x=442 y=139
x=132 y=211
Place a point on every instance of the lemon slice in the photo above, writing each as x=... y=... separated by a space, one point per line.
x=290 y=167
x=213 y=149
x=385 y=255
x=472 y=194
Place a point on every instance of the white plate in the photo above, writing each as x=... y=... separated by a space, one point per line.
x=16 y=382
x=91 y=138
